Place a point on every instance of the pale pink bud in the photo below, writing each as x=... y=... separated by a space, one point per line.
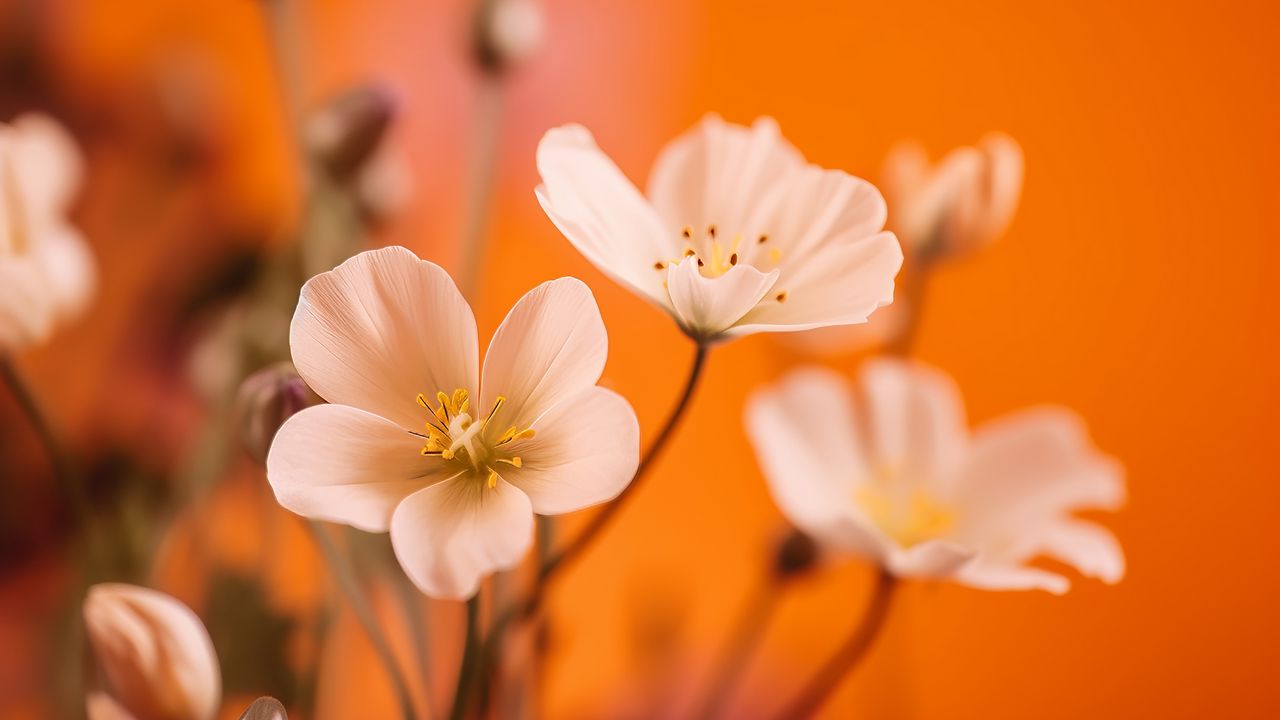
x=154 y=658
x=507 y=31
x=266 y=399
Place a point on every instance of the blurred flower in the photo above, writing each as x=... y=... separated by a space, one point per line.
x=895 y=476
x=410 y=446
x=507 y=31
x=349 y=138
x=962 y=203
x=265 y=708
x=46 y=272
x=155 y=656
x=266 y=399
x=738 y=235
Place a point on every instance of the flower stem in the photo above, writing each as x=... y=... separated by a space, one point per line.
x=748 y=631
x=849 y=655
x=601 y=520
x=344 y=574
x=60 y=460
x=470 y=659
x=917 y=291
x=484 y=162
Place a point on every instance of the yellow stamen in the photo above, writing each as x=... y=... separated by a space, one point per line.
x=497 y=405
x=492 y=482
x=461 y=401
x=515 y=461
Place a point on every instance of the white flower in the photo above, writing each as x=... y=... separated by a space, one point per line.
x=894 y=475
x=46 y=271
x=452 y=460
x=738 y=234
x=154 y=655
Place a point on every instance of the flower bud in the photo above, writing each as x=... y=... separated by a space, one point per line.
x=265 y=708
x=154 y=657
x=796 y=554
x=344 y=134
x=507 y=31
x=266 y=399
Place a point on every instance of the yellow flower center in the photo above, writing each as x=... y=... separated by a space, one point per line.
x=715 y=258
x=909 y=519
x=454 y=435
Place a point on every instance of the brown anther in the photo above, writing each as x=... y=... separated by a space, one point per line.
x=659 y=265
x=689 y=253
x=687 y=232
x=700 y=263
x=733 y=259
x=764 y=239
x=782 y=296
x=711 y=230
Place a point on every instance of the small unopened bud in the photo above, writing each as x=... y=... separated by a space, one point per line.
x=507 y=31
x=266 y=399
x=344 y=134
x=265 y=708
x=796 y=554
x=153 y=655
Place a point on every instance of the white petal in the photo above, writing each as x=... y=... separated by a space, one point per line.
x=550 y=346
x=1033 y=466
x=450 y=535
x=26 y=313
x=929 y=559
x=719 y=173
x=707 y=307
x=601 y=212
x=1089 y=548
x=842 y=283
x=585 y=452
x=381 y=328
x=346 y=465
x=68 y=269
x=916 y=422
x=47 y=162
x=998 y=576
x=805 y=435
x=1004 y=168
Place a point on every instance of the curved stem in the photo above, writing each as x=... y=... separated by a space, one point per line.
x=849 y=655
x=470 y=658
x=917 y=291
x=602 y=518
x=60 y=460
x=748 y=631
x=346 y=578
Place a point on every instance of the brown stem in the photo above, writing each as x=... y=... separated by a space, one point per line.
x=849 y=655
x=748 y=631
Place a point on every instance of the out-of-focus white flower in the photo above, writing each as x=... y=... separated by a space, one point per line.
x=419 y=442
x=508 y=31
x=155 y=657
x=46 y=271
x=894 y=475
x=738 y=234
x=962 y=203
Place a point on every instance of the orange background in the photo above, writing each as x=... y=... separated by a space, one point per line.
x=1134 y=286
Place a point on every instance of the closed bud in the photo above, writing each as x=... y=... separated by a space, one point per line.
x=153 y=656
x=265 y=708
x=344 y=135
x=796 y=554
x=266 y=399
x=507 y=31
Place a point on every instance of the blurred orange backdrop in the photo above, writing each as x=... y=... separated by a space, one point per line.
x=1136 y=286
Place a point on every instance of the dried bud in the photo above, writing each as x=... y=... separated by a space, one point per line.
x=507 y=31
x=266 y=399
x=796 y=554
x=265 y=708
x=153 y=655
x=344 y=134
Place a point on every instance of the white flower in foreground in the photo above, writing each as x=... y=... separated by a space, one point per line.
x=738 y=234
x=963 y=202
x=46 y=271
x=893 y=474
x=155 y=658
x=452 y=460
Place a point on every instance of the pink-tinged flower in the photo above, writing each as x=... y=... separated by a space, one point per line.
x=962 y=203
x=419 y=441
x=46 y=271
x=155 y=658
x=893 y=474
x=738 y=235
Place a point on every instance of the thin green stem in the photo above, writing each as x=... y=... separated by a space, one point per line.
x=470 y=659
x=748 y=631
x=60 y=460
x=849 y=655
x=345 y=576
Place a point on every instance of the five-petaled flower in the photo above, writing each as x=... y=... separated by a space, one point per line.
x=153 y=655
x=894 y=475
x=46 y=271
x=738 y=235
x=418 y=441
